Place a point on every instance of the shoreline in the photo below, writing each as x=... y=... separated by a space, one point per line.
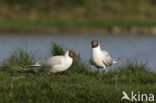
x=81 y=26
x=87 y=31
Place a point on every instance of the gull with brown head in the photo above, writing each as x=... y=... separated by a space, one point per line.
x=100 y=58
x=57 y=64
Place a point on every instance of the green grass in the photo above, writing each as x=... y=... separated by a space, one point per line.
x=67 y=25
x=78 y=85
x=81 y=8
x=73 y=15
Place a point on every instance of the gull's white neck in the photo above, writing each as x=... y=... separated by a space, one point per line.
x=67 y=55
x=96 y=49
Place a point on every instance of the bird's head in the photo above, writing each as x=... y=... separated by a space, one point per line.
x=94 y=43
x=72 y=54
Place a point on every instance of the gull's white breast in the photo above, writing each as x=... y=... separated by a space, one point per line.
x=56 y=63
x=66 y=62
x=97 y=57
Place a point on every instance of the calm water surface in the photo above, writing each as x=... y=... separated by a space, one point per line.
x=140 y=48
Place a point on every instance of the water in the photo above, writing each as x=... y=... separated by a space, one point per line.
x=140 y=48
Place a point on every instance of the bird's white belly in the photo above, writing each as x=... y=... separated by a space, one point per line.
x=61 y=67
x=97 y=61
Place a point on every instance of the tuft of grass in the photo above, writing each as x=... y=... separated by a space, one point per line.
x=130 y=73
x=20 y=57
x=19 y=60
x=56 y=49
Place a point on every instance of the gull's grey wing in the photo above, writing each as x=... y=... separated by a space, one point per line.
x=52 y=61
x=107 y=60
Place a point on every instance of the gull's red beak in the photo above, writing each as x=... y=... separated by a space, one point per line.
x=77 y=56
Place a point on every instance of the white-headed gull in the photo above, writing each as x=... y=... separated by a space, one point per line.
x=100 y=58
x=57 y=64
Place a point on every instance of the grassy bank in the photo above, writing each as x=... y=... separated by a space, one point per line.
x=78 y=9
x=78 y=16
x=79 y=84
x=78 y=25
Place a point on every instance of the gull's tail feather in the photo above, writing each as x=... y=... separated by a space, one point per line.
x=115 y=60
x=37 y=64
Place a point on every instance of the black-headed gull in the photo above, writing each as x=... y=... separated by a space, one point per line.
x=100 y=58
x=57 y=64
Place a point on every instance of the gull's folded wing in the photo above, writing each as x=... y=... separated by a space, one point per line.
x=107 y=60
x=51 y=61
